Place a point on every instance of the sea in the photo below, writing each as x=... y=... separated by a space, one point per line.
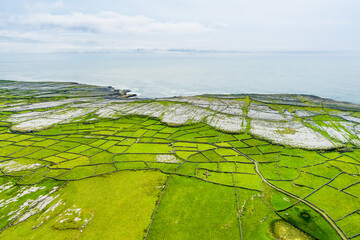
x=154 y=74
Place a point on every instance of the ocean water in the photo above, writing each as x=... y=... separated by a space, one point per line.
x=163 y=75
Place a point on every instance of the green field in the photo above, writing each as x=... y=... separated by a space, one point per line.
x=114 y=206
x=137 y=177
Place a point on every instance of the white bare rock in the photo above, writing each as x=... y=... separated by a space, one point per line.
x=293 y=134
x=227 y=115
x=49 y=119
x=13 y=165
x=51 y=104
x=226 y=123
x=351 y=118
x=167 y=158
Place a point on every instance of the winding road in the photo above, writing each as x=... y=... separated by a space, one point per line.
x=312 y=206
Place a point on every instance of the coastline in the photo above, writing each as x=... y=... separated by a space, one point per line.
x=304 y=121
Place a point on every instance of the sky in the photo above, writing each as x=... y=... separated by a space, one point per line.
x=228 y=25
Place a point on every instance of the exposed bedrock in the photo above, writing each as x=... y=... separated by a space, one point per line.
x=292 y=120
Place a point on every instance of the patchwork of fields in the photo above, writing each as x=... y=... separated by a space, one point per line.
x=77 y=162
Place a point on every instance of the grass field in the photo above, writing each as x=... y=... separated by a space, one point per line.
x=114 y=206
x=148 y=172
x=192 y=209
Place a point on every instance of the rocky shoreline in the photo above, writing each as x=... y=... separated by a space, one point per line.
x=303 y=121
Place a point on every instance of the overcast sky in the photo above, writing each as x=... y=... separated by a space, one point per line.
x=118 y=25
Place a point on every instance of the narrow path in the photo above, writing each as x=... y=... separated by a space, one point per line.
x=238 y=206
x=312 y=206
x=157 y=206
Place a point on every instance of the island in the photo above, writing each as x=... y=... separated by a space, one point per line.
x=81 y=161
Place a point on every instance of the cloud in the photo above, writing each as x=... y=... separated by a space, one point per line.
x=105 y=22
x=62 y=25
x=81 y=32
x=44 y=6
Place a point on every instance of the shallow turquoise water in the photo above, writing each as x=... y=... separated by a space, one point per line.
x=160 y=75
